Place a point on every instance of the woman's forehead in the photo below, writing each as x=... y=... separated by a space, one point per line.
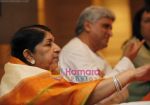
x=48 y=36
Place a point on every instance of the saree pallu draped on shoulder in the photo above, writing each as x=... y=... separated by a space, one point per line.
x=47 y=89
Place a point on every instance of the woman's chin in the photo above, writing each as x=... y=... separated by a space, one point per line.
x=54 y=68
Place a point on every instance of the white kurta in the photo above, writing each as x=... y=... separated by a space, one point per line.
x=77 y=56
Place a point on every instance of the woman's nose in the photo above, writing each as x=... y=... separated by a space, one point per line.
x=56 y=48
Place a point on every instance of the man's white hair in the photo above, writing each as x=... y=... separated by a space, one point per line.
x=92 y=14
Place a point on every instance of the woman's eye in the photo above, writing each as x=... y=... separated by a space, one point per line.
x=48 y=44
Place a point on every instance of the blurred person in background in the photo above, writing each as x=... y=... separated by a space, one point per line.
x=141 y=30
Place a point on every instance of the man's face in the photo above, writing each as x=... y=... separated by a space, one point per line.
x=101 y=31
x=145 y=25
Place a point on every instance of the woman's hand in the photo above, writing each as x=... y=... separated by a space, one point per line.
x=132 y=49
x=143 y=73
x=106 y=87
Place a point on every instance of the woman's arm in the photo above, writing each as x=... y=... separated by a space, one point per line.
x=107 y=87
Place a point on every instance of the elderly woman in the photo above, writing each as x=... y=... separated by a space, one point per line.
x=30 y=75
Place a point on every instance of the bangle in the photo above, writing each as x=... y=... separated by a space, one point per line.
x=117 y=84
x=120 y=85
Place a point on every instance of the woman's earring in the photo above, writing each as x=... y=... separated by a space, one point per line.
x=32 y=62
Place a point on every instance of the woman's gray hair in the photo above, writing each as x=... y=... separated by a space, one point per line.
x=92 y=14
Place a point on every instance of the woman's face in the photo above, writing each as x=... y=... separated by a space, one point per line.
x=145 y=26
x=46 y=53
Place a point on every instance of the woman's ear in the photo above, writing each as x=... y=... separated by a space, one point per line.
x=28 y=56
